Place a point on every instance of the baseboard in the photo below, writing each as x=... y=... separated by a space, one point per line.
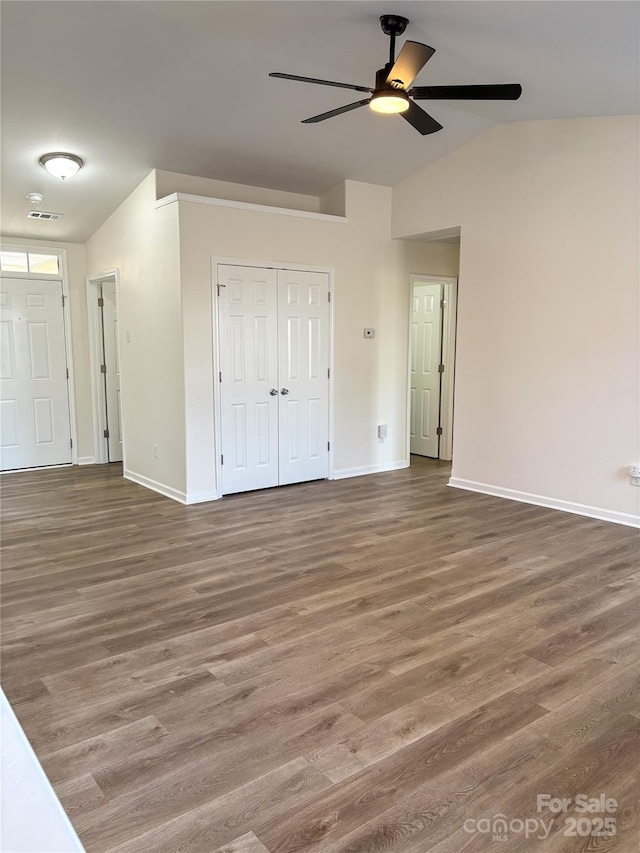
x=345 y=473
x=148 y=483
x=201 y=497
x=550 y=503
x=86 y=460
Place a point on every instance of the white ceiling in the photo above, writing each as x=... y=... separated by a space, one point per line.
x=183 y=86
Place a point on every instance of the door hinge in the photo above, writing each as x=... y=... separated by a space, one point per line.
x=106 y=433
x=439 y=431
x=67 y=372
x=100 y=302
x=443 y=303
x=222 y=458
x=328 y=373
x=103 y=368
x=328 y=445
x=63 y=298
x=218 y=286
x=220 y=376
x=70 y=442
x=329 y=295
x=441 y=368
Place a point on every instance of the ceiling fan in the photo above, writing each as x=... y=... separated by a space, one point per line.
x=392 y=93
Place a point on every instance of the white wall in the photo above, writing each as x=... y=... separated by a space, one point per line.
x=33 y=821
x=173 y=182
x=75 y=255
x=371 y=289
x=546 y=398
x=142 y=243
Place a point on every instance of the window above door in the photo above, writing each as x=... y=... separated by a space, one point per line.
x=25 y=261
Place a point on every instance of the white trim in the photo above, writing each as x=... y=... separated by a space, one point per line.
x=246 y=205
x=449 y=326
x=215 y=331
x=63 y=277
x=98 y=403
x=550 y=503
x=71 y=385
x=345 y=473
x=154 y=485
x=86 y=460
x=448 y=359
x=201 y=497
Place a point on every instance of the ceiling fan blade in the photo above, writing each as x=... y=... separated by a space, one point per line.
x=422 y=121
x=320 y=82
x=337 y=112
x=410 y=62
x=499 y=92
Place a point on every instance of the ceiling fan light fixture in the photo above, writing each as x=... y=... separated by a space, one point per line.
x=390 y=103
x=61 y=165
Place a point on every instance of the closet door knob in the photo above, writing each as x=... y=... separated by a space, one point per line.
x=284 y=391
x=273 y=392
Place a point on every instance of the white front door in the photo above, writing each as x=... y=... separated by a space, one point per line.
x=426 y=348
x=34 y=396
x=274 y=359
x=112 y=374
x=303 y=358
x=248 y=322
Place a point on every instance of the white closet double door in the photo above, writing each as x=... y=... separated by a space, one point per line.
x=274 y=377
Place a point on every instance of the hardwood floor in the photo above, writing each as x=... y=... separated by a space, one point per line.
x=375 y=664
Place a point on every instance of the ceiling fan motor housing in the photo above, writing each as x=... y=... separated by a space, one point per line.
x=381 y=79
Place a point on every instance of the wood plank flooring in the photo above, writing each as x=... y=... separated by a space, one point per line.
x=374 y=664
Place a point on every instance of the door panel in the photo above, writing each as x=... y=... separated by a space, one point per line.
x=425 y=377
x=112 y=376
x=34 y=410
x=248 y=319
x=303 y=344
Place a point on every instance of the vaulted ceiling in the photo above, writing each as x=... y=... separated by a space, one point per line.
x=183 y=86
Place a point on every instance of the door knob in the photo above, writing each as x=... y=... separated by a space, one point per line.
x=284 y=391
x=273 y=392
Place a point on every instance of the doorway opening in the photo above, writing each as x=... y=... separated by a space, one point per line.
x=431 y=365
x=102 y=305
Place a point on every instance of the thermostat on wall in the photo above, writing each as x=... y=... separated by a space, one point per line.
x=369 y=333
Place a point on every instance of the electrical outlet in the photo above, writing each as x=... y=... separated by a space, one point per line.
x=634 y=475
x=156 y=452
x=382 y=433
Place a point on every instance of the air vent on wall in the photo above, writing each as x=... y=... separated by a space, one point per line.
x=41 y=214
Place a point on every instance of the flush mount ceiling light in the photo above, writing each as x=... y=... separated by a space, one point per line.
x=61 y=165
x=35 y=198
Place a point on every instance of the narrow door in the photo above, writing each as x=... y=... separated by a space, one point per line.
x=112 y=372
x=248 y=322
x=34 y=397
x=303 y=357
x=426 y=348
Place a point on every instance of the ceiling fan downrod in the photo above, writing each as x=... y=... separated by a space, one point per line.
x=392 y=26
